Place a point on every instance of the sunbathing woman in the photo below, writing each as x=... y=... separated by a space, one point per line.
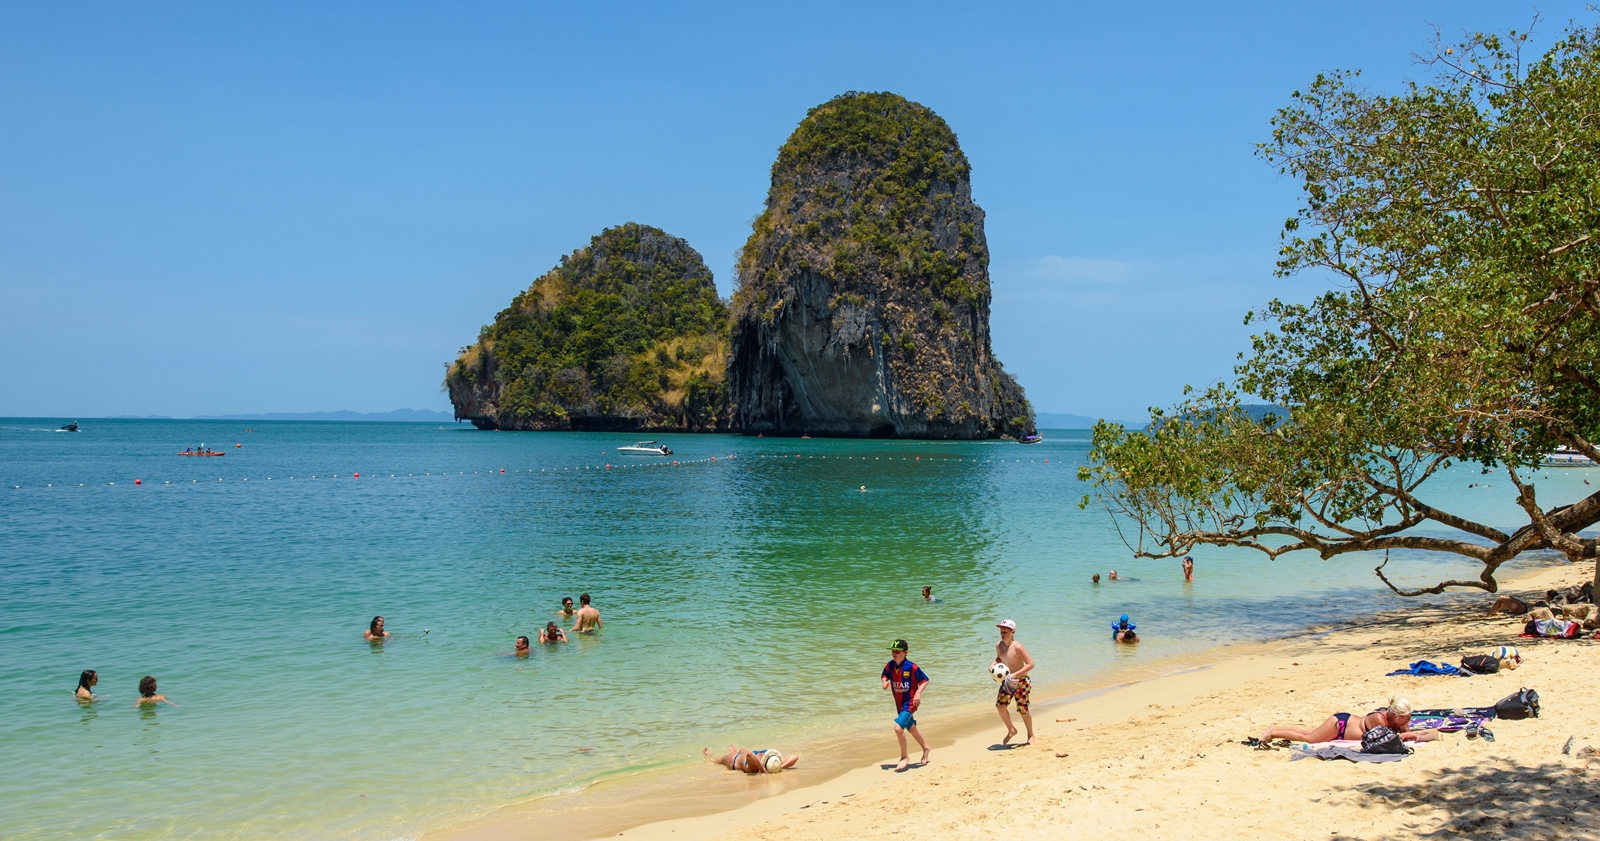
x=748 y=761
x=1396 y=717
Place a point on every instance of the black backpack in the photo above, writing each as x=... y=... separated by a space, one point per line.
x=1381 y=739
x=1480 y=664
x=1523 y=703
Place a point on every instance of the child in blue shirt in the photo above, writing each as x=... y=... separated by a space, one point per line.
x=905 y=680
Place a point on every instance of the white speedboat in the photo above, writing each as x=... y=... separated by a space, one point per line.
x=646 y=448
x=1567 y=457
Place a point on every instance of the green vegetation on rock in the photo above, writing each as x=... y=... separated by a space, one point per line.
x=628 y=333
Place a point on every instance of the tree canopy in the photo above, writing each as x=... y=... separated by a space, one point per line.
x=1459 y=221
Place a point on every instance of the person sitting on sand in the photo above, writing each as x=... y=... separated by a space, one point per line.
x=748 y=761
x=1508 y=604
x=522 y=646
x=86 y=682
x=1344 y=726
x=375 y=631
x=552 y=633
x=147 y=693
x=587 y=620
x=1123 y=631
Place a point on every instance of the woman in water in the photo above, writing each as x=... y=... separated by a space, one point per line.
x=1396 y=717
x=748 y=761
x=552 y=633
x=375 y=631
x=147 y=693
x=86 y=682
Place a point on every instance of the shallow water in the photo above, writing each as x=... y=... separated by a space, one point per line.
x=749 y=598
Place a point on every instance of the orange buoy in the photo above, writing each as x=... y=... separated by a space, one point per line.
x=608 y=467
x=355 y=475
x=919 y=458
x=674 y=464
x=236 y=446
x=502 y=470
x=138 y=481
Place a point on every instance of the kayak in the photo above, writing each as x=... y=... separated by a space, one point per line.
x=202 y=454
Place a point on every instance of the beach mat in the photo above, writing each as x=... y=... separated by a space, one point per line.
x=1451 y=721
x=1340 y=749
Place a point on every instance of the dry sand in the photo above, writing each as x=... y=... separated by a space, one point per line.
x=1161 y=758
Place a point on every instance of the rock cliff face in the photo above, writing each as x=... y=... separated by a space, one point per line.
x=862 y=305
x=626 y=334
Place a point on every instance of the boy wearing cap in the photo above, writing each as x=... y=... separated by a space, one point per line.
x=1123 y=631
x=1017 y=685
x=906 y=680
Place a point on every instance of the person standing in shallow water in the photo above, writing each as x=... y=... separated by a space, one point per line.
x=86 y=682
x=1017 y=685
x=148 y=695
x=1188 y=569
x=566 y=611
x=587 y=620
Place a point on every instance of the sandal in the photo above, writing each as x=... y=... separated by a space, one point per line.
x=1486 y=733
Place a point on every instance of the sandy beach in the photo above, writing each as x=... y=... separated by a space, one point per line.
x=1162 y=758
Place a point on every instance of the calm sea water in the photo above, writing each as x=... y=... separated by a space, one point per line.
x=748 y=598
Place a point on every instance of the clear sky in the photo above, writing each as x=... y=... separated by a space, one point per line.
x=231 y=207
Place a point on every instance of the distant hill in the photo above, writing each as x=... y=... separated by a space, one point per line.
x=400 y=415
x=1058 y=420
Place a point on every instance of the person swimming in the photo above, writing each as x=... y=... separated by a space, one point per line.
x=375 y=631
x=522 y=646
x=148 y=694
x=1123 y=631
x=1097 y=578
x=552 y=633
x=928 y=596
x=1113 y=575
x=86 y=682
x=566 y=611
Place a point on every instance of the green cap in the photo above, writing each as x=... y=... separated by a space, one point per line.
x=900 y=645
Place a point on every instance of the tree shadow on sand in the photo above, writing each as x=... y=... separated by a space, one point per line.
x=1495 y=800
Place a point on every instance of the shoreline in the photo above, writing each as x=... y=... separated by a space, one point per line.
x=636 y=808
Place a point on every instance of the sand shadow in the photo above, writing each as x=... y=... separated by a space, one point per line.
x=894 y=766
x=1502 y=799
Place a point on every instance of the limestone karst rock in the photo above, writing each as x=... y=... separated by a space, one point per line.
x=862 y=303
x=626 y=334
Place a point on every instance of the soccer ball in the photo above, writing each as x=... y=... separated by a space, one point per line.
x=773 y=762
x=1000 y=672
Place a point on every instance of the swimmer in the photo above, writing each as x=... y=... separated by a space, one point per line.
x=1122 y=630
x=748 y=761
x=148 y=695
x=375 y=631
x=566 y=611
x=1188 y=569
x=552 y=633
x=1097 y=578
x=86 y=682
x=1113 y=575
x=1344 y=726
x=587 y=619
x=863 y=488
x=522 y=646
x=928 y=596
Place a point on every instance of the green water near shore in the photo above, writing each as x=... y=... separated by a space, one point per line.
x=749 y=598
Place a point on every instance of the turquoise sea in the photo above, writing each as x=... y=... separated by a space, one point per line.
x=748 y=598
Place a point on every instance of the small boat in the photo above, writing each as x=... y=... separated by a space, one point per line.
x=646 y=448
x=202 y=453
x=1567 y=457
x=71 y=427
x=1031 y=438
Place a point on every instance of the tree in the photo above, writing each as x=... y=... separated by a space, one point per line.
x=1459 y=221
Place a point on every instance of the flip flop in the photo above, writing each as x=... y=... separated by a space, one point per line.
x=1486 y=733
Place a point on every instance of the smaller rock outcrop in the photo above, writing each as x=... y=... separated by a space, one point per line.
x=626 y=334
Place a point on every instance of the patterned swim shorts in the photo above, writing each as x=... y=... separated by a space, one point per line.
x=1019 y=689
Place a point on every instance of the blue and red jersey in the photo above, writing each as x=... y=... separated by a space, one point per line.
x=903 y=679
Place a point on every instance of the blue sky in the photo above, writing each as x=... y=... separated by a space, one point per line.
x=210 y=208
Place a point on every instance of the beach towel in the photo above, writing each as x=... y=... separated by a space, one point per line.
x=1560 y=629
x=1341 y=749
x=1451 y=721
x=1428 y=667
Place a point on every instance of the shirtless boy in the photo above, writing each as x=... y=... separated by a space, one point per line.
x=587 y=619
x=1018 y=686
